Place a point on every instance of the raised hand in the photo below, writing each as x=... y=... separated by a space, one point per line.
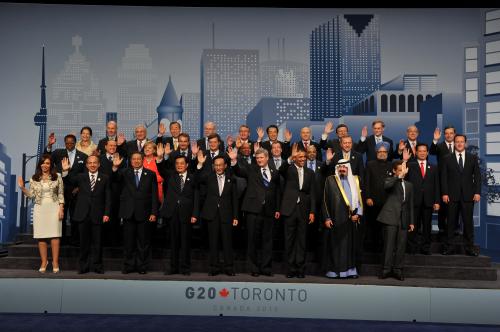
x=328 y=128
x=160 y=150
x=168 y=149
x=369 y=202
x=401 y=145
x=311 y=218
x=52 y=139
x=404 y=170
x=239 y=142
x=329 y=154
x=260 y=133
x=437 y=134
x=288 y=135
x=406 y=154
x=194 y=148
x=121 y=139
x=161 y=129
x=201 y=158
x=364 y=131
x=232 y=153
x=295 y=151
x=20 y=182
x=256 y=146
x=65 y=164
x=117 y=160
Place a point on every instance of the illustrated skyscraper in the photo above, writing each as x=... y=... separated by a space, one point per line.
x=41 y=117
x=229 y=87
x=137 y=90
x=169 y=109
x=76 y=98
x=190 y=103
x=345 y=63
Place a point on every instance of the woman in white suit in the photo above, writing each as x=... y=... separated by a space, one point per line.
x=46 y=189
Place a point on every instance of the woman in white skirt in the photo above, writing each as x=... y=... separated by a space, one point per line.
x=46 y=189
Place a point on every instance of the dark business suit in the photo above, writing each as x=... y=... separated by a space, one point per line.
x=219 y=210
x=441 y=150
x=426 y=193
x=296 y=205
x=78 y=166
x=132 y=146
x=177 y=209
x=368 y=147
x=356 y=161
x=461 y=185
x=413 y=157
x=167 y=140
x=261 y=202
x=112 y=230
x=397 y=216
x=334 y=144
x=137 y=204
x=91 y=206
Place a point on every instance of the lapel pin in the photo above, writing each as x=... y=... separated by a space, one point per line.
x=98 y=179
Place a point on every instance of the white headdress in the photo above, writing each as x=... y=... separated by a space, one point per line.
x=352 y=183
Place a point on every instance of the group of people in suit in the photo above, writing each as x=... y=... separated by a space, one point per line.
x=339 y=207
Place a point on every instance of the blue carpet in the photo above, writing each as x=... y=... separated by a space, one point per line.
x=105 y=323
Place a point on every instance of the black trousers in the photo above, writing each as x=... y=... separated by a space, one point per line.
x=466 y=210
x=371 y=237
x=90 y=245
x=69 y=209
x=394 y=248
x=111 y=231
x=420 y=238
x=443 y=217
x=220 y=231
x=180 y=244
x=137 y=245
x=260 y=234
x=295 y=239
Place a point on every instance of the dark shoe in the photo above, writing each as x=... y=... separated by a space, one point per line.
x=353 y=276
x=186 y=273
x=143 y=272
x=301 y=275
x=99 y=271
x=384 y=275
x=426 y=252
x=254 y=274
x=171 y=272
x=125 y=271
x=82 y=271
x=399 y=276
x=230 y=273
x=448 y=252
x=212 y=274
x=471 y=253
x=290 y=275
x=269 y=274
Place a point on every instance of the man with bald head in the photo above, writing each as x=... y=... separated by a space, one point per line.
x=112 y=135
x=137 y=145
x=410 y=144
x=210 y=128
x=306 y=141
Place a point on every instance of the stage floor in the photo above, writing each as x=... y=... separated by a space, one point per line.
x=277 y=278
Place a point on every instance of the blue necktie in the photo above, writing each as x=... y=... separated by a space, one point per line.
x=137 y=179
x=265 y=178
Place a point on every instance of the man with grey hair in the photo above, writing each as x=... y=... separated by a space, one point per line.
x=137 y=145
x=210 y=128
x=112 y=135
x=261 y=205
x=410 y=144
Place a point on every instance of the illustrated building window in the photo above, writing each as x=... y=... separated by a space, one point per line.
x=492 y=22
x=493 y=52
x=471 y=59
x=493 y=83
x=493 y=113
x=471 y=86
x=493 y=143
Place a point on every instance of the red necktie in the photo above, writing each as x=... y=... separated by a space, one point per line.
x=305 y=145
x=422 y=169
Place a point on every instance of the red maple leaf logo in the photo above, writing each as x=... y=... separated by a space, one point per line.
x=224 y=292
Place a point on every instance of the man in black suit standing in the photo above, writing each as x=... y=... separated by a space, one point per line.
x=209 y=129
x=173 y=140
x=180 y=209
x=137 y=145
x=138 y=207
x=341 y=130
x=367 y=144
x=305 y=142
x=77 y=165
x=441 y=150
x=425 y=179
x=183 y=149
x=262 y=205
x=93 y=207
x=272 y=135
x=397 y=217
x=410 y=144
x=298 y=209
x=111 y=230
x=220 y=210
x=112 y=135
x=242 y=138
x=346 y=152
x=460 y=189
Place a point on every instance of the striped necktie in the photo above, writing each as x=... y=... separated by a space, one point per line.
x=92 y=182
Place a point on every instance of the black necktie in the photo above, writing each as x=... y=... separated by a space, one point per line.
x=110 y=158
x=449 y=148
x=460 y=162
x=213 y=155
